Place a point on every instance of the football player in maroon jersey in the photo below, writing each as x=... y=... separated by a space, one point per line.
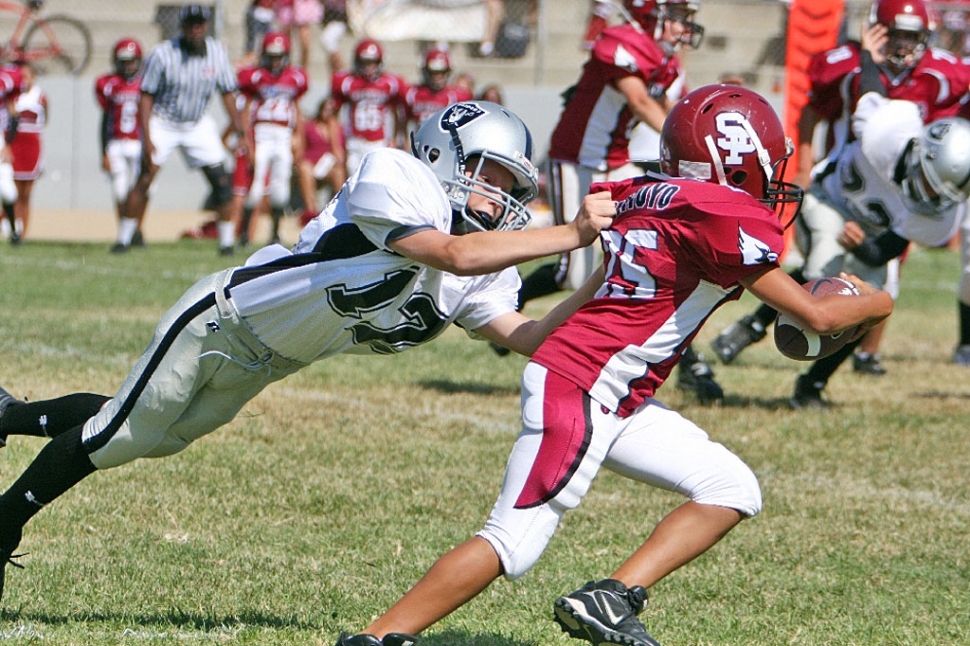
x=117 y=94
x=932 y=78
x=683 y=243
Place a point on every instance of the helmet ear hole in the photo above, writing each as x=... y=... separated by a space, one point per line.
x=739 y=177
x=433 y=155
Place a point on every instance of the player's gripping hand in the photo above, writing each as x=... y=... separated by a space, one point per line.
x=865 y=289
x=595 y=214
x=852 y=236
x=874 y=39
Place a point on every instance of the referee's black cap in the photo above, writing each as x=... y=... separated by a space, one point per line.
x=194 y=13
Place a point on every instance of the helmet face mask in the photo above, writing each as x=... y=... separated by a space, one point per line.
x=276 y=51
x=456 y=142
x=938 y=176
x=730 y=135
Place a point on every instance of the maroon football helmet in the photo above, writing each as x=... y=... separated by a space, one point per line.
x=729 y=135
x=436 y=68
x=276 y=51
x=651 y=15
x=126 y=56
x=366 y=53
x=908 y=22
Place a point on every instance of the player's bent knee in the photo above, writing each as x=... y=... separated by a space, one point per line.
x=736 y=488
x=220 y=181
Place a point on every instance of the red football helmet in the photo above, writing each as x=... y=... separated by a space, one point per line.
x=276 y=45
x=126 y=56
x=368 y=51
x=651 y=16
x=729 y=135
x=908 y=22
x=436 y=68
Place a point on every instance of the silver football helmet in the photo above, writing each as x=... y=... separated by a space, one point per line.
x=938 y=176
x=476 y=131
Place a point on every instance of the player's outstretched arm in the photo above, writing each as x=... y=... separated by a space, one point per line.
x=486 y=252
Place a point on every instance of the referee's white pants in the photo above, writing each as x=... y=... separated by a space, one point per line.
x=568 y=185
x=199 y=141
x=201 y=368
x=565 y=439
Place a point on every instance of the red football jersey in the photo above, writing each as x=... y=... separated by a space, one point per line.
x=594 y=128
x=937 y=84
x=420 y=101
x=274 y=96
x=673 y=255
x=371 y=104
x=119 y=97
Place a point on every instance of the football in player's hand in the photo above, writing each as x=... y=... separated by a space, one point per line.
x=801 y=345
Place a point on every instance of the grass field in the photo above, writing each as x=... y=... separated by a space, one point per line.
x=336 y=489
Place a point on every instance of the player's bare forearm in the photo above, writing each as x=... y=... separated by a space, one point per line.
x=821 y=315
x=524 y=335
x=486 y=252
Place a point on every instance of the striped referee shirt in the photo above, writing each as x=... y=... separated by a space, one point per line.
x=183 y=83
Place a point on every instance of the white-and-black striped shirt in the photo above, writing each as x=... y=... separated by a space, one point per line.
x=183 y=83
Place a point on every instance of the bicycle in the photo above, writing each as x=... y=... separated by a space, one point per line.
x=52 y=44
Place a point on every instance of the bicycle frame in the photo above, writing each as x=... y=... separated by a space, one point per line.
x=13 y=48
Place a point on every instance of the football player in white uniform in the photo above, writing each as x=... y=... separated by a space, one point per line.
x=899 y=181
x=410 y=245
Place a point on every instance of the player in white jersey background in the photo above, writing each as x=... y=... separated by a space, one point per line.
x=390 y=263
x=682 y=244
x=899 y=181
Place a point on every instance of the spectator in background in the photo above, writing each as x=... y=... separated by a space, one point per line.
x=118 y=93
x=179 y=79
x=493 y=93
x=272 y=91
x=495 y=13
x=323 y=159
x=26 y=148
x=299 y=15
x=11 y=84
x=466 y=82
x=372 y=102
x=260 y=17
x=334 y=29
x=433 y=93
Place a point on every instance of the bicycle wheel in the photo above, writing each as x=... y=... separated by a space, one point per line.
x=58 y=45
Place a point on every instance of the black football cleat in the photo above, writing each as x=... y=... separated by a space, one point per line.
x=736 y=337
x=694 y=374
x=7 y=557
x=6 y=399
x=604 y=612
x=868 y=364
x=808 y=394
x=390 y=639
